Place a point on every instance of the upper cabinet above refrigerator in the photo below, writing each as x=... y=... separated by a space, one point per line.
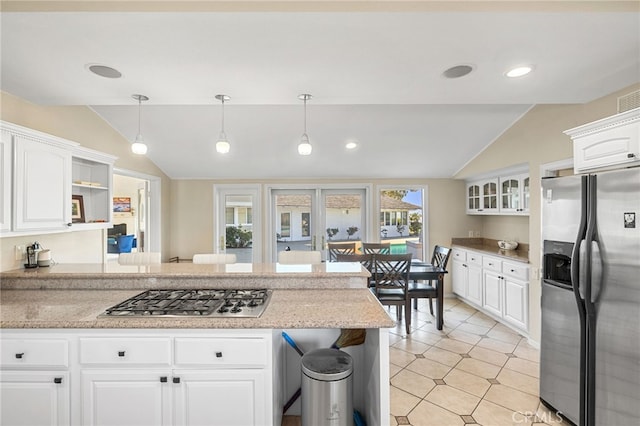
x=608 y=143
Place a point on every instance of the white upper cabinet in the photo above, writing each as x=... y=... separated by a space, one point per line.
x=50 y=184
x=6 y=169
x=482 y=196
x=504 y=192
x=42 y=196
x=514 y=194
x=608 y=143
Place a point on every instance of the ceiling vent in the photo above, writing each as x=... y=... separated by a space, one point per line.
x=629 y=101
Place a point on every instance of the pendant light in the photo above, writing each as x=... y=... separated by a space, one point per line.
x=222 y=146
x=138 y=146
x=304 y=147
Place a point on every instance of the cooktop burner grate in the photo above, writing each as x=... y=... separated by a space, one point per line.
x=203 y=302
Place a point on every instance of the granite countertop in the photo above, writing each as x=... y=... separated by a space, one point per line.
x=489 y=246
x=321 y=308
x=187 y=275
x=186 y=270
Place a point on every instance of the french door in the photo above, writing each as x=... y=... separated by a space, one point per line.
x=309 y=218
x=238 y=223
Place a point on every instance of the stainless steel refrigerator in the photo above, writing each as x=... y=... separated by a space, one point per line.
x=590 y=342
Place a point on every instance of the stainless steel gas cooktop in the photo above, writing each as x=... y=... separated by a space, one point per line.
x=204 y=302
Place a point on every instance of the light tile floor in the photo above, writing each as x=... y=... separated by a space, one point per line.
x=474 y=371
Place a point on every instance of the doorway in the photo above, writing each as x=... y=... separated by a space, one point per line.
x=136 y=213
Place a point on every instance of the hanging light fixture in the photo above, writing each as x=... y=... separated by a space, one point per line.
x=222 y=146
x=138 y=146
x=304 y=147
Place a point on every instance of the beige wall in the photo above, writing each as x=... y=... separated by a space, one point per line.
x=79 y=124
x=193 y=216
x=536 y=139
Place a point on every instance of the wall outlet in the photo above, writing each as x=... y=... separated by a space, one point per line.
x=477 y=234
x=19 y=250
x=470 y=234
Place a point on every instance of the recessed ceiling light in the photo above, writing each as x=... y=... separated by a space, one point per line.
x=103 y=71
x=351 y=144
x=519 y=71
x=457 y=71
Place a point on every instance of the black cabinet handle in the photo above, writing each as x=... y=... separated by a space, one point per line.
x=513 y=270
x=69 y=224
x=218 y=354
x=20 y=355
x=57 y=380
x=630 y=155
x=176 y=380
x=163 y=379
x=121 y=353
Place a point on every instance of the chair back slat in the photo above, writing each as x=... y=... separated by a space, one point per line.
x=376 y=248
x=392 y=271
x=340 y=248
x=440 y=256
x=365 y=260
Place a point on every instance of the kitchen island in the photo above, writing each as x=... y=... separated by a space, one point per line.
x=51 y=333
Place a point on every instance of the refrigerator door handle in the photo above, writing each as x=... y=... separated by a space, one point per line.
x=596 y=271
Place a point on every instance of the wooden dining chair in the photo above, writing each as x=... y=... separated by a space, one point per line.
x=426 y=290
x=365 y=260
x=340 y=248
x=391 y=281
x=376 y=248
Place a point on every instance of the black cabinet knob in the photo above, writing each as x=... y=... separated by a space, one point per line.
x=163 y=379
x=20 y=355
x=176 y=380
x=57 y=380
x=218 y=354
x=630 y=155
x=121 y=353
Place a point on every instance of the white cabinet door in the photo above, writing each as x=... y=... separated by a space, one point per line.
x=459 y=278
x=474 y=284
x=514 y=194
x=5 y=177
x=46 y=393
x=516 y=302
x=42 y=184
x=492 y=293
x=126 y=397
x=221 y=398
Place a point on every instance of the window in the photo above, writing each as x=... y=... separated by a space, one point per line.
x=394 y=218
x=285 y=225
x=401 y=220
x=306 y=219
x=228 y=214
x=244 y=216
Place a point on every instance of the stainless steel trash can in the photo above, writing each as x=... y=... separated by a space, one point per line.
x=327 y=388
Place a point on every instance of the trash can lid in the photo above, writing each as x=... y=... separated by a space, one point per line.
x=327 y=364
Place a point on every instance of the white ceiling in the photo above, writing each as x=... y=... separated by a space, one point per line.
x=375 y=77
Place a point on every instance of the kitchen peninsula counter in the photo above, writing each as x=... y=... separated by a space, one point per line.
x=188 y=275
x=489 y=246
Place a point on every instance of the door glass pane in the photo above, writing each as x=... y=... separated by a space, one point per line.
x=401 y=221
x=293 y=221
x=239 y=230
x=343 y=213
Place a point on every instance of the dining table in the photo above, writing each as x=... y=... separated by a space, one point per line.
x=422 y=271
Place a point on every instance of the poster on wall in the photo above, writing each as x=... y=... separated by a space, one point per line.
x=122 y=204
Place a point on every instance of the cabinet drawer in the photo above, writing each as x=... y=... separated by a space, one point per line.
x=516 y=270
x=221 y=351
x=124 y=351
x=492 y=263
x=34 y=353
x=457 y=254
x=474 y=258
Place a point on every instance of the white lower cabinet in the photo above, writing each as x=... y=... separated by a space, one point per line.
x=227 y=397
x=156 y=378
x=125 y=397
x=34 y=398
x=497 y=287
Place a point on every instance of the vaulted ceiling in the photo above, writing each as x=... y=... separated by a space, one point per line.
x=375 y=70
